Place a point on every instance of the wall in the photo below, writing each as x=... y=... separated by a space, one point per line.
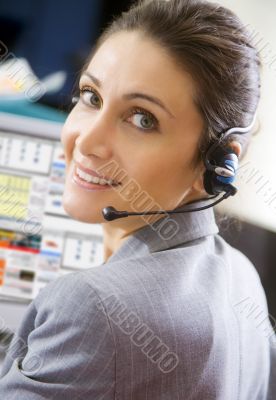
x=256 y=200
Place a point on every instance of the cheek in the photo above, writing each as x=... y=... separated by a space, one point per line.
x=154 y=173
x=165 y=179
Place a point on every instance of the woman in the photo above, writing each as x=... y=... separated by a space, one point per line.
x=167 y=315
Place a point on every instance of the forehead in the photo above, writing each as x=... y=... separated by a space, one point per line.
x=130 y=61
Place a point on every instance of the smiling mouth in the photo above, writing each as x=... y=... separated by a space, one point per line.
x=93 y=179
x=90 y=176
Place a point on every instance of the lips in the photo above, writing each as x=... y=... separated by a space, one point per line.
x=94 y=173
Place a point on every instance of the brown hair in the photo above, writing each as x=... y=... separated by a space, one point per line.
x=212 y=44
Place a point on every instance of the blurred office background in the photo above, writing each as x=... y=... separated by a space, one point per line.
x=58 y=35
x=55 y=35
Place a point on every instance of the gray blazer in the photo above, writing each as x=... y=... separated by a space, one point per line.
x=175 y=314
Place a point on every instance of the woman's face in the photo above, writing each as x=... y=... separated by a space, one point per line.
x=136 y=112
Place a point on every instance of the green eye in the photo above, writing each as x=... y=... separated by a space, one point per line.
x=90 y=97
x=144 y=120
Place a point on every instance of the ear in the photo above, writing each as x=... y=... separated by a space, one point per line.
x=236 y=147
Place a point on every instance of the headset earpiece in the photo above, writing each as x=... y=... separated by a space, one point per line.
x=224 y=166
x=208 y=182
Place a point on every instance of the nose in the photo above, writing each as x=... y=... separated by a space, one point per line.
x=94 y=138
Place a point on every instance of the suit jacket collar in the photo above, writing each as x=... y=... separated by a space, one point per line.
x=168 y=232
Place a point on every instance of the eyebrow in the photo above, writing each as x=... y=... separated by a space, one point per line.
x=131 y=96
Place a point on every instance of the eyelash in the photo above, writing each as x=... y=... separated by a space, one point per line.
x=135 y=110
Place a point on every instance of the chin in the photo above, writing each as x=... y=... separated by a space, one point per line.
x=80 y=213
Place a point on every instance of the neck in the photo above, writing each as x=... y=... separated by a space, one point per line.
x=117 y=231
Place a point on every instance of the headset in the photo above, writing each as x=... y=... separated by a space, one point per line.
x=220 y=174
x=221 y=165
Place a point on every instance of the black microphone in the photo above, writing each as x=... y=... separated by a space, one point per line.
x=110 y=213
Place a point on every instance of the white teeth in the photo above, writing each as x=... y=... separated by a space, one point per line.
x=93 y=179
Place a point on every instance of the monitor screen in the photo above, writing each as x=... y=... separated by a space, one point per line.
x=38 y=240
